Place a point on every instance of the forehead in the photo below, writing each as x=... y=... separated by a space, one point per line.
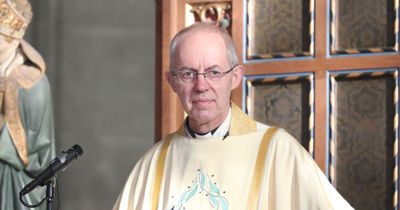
x=201 y=49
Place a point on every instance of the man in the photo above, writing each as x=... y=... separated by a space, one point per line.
x=220 y=158
x=26 y=118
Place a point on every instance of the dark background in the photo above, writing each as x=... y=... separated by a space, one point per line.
x=100 y=63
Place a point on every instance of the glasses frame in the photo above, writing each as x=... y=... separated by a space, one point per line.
x=196 y=74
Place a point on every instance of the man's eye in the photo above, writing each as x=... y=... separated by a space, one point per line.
x=214 y=73
x=187 y=74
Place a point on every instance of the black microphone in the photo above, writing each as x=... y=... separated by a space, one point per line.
x=60 y=162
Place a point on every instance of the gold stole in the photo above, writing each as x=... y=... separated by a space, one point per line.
x=160 y=171
x=258 y=174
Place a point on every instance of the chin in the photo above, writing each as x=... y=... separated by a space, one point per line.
x=201 y=116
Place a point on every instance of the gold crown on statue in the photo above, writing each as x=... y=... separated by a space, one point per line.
x=15 y=16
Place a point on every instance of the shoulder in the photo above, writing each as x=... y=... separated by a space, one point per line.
x=142 y=175
x=262 y=126
x=283 y=138
x=38 y=93
x=284 y=147
x=151 y=155
x=153 y=151
x=42 y=84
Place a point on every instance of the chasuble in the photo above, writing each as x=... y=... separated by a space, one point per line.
x=254 y=167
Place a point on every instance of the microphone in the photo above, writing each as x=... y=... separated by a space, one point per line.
x=59 y=163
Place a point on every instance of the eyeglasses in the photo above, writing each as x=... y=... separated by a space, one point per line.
x=188 y=75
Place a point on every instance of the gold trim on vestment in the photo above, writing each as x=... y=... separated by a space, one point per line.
x=256 y=182
x=241 y=123
x=160 y=171
x=13 y=119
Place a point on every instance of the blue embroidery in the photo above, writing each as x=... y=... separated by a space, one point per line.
x=203 y=183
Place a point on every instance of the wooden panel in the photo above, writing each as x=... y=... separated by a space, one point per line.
x=360 y=26
x=169 y=115
x=363 y=142
x=279 y=28
x=284 y=101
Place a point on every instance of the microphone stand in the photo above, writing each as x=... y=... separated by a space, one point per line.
x=50 y=194
x=48 y=176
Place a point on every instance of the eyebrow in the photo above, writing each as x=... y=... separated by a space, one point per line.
x=194 y=69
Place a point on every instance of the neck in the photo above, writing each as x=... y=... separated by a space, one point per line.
x=205 y=127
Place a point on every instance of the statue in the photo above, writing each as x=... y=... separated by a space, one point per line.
x=26 y=116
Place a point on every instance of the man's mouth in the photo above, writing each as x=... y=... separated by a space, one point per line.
x=201 y=101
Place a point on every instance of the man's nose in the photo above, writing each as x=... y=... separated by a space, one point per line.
x=201 y=83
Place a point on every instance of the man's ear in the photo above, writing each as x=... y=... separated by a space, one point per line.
x=237 y=76
x=171 y=82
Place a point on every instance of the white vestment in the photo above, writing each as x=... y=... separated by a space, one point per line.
x=216 y=173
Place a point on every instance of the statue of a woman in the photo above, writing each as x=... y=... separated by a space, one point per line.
x=26 y=116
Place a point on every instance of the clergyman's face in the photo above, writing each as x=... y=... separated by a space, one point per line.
x=203 y=100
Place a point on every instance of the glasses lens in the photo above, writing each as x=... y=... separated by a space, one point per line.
x=214 y=75
x=187 y=75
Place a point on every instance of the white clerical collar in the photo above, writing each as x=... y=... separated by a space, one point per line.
x=221 y=131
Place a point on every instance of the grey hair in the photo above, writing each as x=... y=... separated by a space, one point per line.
x=204 y=27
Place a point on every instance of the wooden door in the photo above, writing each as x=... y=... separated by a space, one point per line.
x=325 y=70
